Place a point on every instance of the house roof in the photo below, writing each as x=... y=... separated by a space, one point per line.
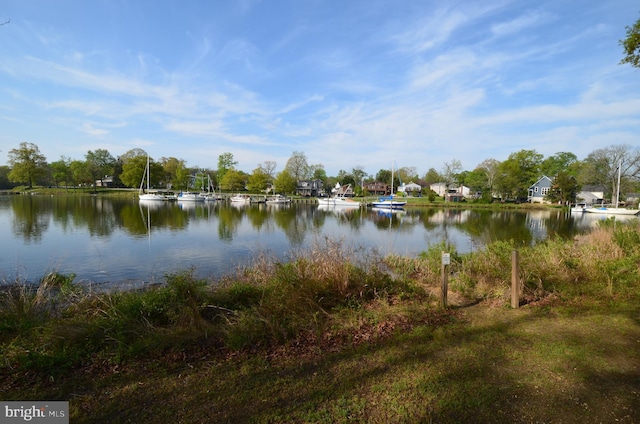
x=587 y=195
x=411 y=186
x=541 y=179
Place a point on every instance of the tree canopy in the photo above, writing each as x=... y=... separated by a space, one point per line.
x=298 y=166
x=27 y=164
x=631 y=45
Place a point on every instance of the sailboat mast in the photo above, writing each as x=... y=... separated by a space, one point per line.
x=393 y=162
x=148 y=172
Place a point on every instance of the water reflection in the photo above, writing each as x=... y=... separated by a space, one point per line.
x=110 y=239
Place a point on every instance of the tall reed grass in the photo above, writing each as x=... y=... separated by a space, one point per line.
x=605 y=261
x=331 y=287
x=264 y=304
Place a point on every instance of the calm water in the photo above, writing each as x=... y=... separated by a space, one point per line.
x=122 y=240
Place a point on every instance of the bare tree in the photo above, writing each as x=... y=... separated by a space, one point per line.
x=268 y=167
x=490 y=167
x=298 y=166
x=451 y=170
x=601 y=166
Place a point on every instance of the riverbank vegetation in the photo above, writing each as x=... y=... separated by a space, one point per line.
x=338 y=334
x=509 y=180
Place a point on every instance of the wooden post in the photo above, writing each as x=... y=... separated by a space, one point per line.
x=444 y=289
x=515 y=280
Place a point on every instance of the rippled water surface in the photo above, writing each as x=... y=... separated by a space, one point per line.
x=102 y=239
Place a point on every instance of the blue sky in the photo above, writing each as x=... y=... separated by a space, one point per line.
x=349 y=82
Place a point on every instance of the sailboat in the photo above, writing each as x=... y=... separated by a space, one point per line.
x=210 y=194
x=340 y=198
x=189 y=196
x=146 y=195
x=389 y=202
x=603 y=210
x=277 y=199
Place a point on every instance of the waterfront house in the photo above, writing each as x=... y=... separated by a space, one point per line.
x=539 y=190
x=441 y=189
x=411 y=189
x=591 y=195
x=376 y=188
x=310 y=188
x=451 y=191
x=107 y=181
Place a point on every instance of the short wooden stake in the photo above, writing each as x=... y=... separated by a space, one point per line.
x=515 y=280
x=445 y=282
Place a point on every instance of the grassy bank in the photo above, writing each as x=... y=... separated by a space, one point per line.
x=337 y=335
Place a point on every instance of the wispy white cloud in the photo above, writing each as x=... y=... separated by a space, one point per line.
x=417 y=82
x=91 y=130
x=530 y=18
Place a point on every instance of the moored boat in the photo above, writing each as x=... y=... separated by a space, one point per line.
x=240 y=198
x=579 y=208
x=187 y=196
x=148 y=194
x=339 y=198
x=614 y=210
x=389 y=202
x=278 y=200
x=604 y=210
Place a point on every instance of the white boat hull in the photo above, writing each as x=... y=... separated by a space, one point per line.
x=277 y=200
x=388 y=204
x=612 y=211
x=240 y=199
x=190 y=197
x=331 y=201
x=152 y=197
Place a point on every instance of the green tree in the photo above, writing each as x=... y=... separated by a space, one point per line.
x=233 y=180
x=345 y=178
x=61 y=171
x=359 y=174
x=182 y=177
x=432 y=176
x=225 y=163
x=285 y=182
x=518 y=173
x=133 y=153
x=563 y=189
x=478 y=182
x=27 y=164
x=100 y=164
x=173 y=171
x=407 y=174
x=133 y=171
x=384 y=176
x=4 y=177
x=561 y=161
x=258 y=180
x=318 y=173
x=79 y=172
x=631 y=45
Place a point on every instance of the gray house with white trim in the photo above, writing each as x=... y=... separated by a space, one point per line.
x=539 y=190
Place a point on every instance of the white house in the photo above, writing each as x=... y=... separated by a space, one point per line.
x=410 y=188
x=443 y=189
